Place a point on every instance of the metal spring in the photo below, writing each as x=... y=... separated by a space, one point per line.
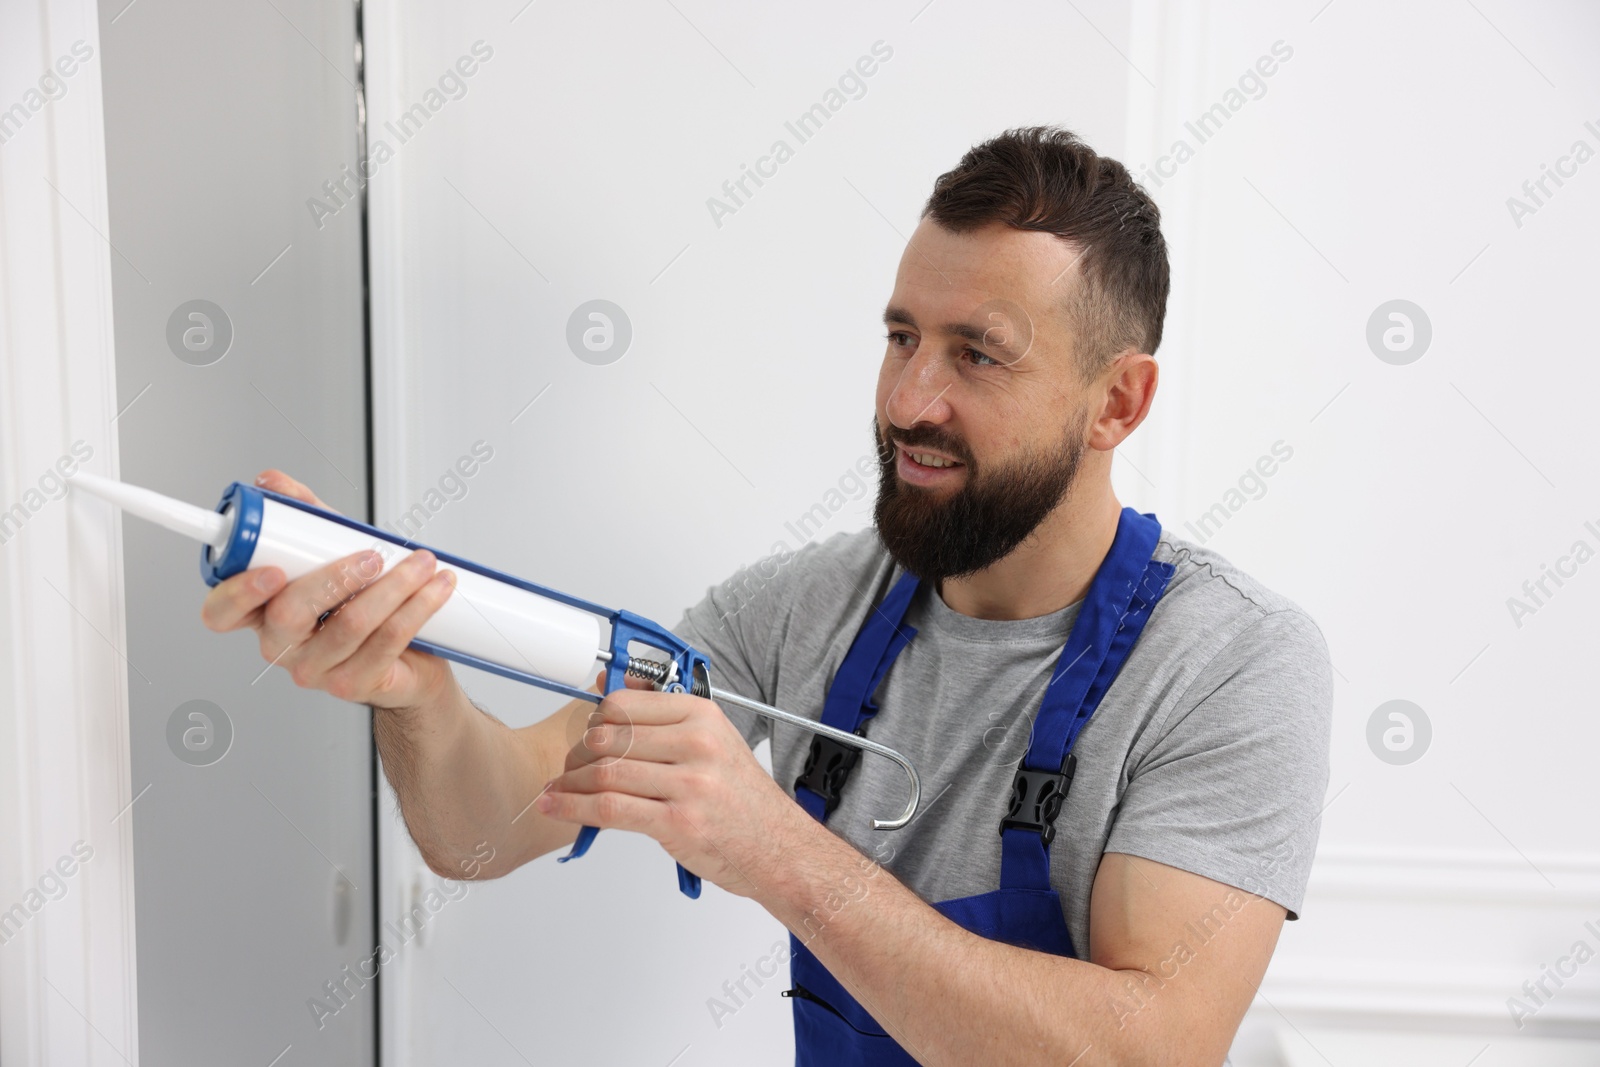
x=655 y=672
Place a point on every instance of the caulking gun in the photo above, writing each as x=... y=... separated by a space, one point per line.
x=493 y=621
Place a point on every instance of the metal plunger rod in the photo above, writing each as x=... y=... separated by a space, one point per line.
x=656 y=672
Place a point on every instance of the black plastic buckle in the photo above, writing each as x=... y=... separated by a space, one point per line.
x=1036 y=799
x=828 y=767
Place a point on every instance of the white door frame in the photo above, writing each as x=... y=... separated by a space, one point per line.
x=68 y=977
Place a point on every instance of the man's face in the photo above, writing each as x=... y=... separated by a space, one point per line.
x=981 y=415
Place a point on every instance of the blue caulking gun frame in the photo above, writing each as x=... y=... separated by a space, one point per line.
x=686 y=670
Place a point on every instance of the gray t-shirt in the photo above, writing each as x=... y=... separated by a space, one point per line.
x=1209 y=752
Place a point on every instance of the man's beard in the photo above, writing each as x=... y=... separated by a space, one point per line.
x=992 y=513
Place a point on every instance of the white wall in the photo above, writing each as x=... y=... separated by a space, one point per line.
x=584 y=152
x=1418 y=498
x=1377 y=166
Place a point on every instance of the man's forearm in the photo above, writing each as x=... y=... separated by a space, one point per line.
x=949 y=996
x=466 y=783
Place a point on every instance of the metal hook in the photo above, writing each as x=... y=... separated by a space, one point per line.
x=662 y=673
x=853 y=740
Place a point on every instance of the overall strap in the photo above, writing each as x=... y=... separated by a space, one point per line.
x=1119 y=602
x=850 y=700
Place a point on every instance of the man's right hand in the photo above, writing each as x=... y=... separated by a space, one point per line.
x=342 y=628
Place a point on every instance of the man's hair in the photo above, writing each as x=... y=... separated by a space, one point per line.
x=1044 y=178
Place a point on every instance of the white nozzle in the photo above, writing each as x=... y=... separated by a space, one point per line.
x=176 y=515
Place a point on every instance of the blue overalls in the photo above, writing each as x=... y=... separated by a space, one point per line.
x=830 y=1028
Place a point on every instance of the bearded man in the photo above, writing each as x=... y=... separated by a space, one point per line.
x=1122 y=738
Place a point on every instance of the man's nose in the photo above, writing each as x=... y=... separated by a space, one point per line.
x=919 y=394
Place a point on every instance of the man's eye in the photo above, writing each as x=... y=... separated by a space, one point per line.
x=899 y=337
x=979 y=359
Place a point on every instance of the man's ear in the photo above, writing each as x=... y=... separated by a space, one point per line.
x=1127 y=388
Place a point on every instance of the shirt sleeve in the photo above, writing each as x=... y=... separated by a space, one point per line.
x=1233 y=789
x=733 y=624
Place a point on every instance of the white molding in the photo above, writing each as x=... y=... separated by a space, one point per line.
x=399 y=865
x=1460 y=876
x=1163 y=37
x=1413 y=937
x=1376 y=990
x=68 y=978
x=1584 y=863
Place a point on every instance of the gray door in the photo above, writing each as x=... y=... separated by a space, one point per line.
x=240 y=345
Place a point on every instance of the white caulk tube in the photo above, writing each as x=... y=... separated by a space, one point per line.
x=487 y=619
